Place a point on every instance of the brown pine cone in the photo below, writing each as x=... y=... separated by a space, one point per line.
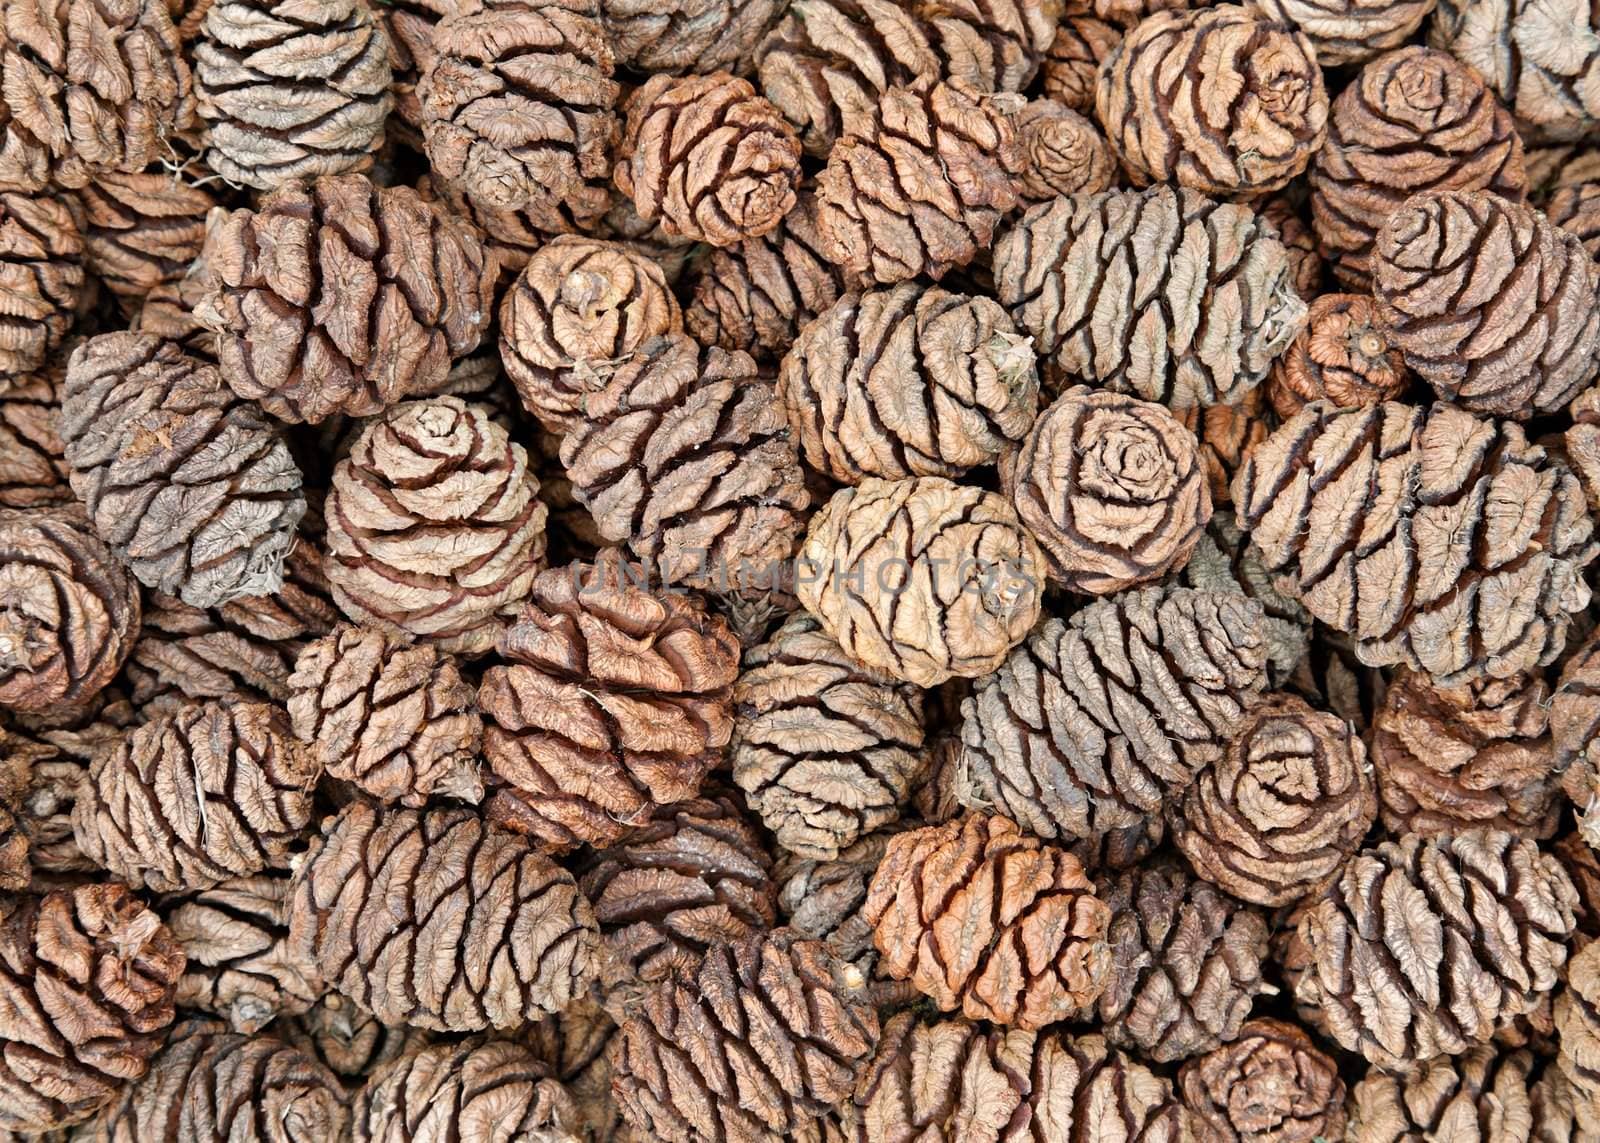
x=1413 y=120
x=16 y=765
x=572 y=1045
x=920 y=186
x=1481 y=1095
x=410 y=26
x=33 y=471
x=613 y=699
x=1225 y=100
x=349 y=1042
x=754 y=1044
x=88 y=88
x=1291 y=219
x=1276 y=816
x=69 y=612
x=435 y=529
x=55 y=764
x=1330 y=677
x=1582 y=863
x=1425 y=946
x=1271 y=1084
x=1062 y=153
x=1196 y=329
x=826 y=748
x=88 y=975
x=1068 y=71
x=1226 y=435
x=1347 y=32
x=1223 y=561
x=168 y=313
x=1577 y=211
x=699 y=36
x=990 y=921
x=41 y=272
x=963 y=575
x=1434 y=538
x=291 y=90
x=1575 y=732
x=1112 y=489
x=142 y=230
x=1342 y=357
x=822 y=900
x=908 y=380
x=1578 y=1022
x=685 y=455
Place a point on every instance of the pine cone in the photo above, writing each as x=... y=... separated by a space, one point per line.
x=142 y=230
x=1578 y=1022
x=16 y=767
x=1223 y=561
x=985 y=919
x=699 y=36
x=822 y=900
x=291 y=90
x=1481 y=1095
x=41 y=272
x=1288 y=215
x=55 y=764
x=1414 y=120
x=410 y=26
x=920 y=186
x=89 y=88
x=350 y=1043
x=1341 y=357
x=1347 y=32
x=909 y=380
x=754 y=1044
x=69 y=612
x=33 y=471
x=1582 y=864
x=435 y=528
x=1575 y=731
x=1062 y=153
x=1434 y=538
x=1112 y=489
x=1269 y=1085
x=168 y=313
x=1276 y=816
x=1069 y=69
x=1210 y=304
x=1424 y=946
x=1577 y=211
x=1226 y=435
x=613 y=699
x=963 y=574
x=89 y=975
x=1224 y=100
x=1332 y=678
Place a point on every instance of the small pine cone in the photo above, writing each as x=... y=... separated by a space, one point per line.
x=89 y=88
x=919 y=188
x=386 y=292
x=1425 y=946
x=579 y=309
x=1330 y=677
x=1442 y=268
x=1435 y=538
x=194 y=488
x=1226 y=100
x=1226 y=435
x=1414 y=120
x=990 y=921
x=1062 y=153
x=694 y=36
x=822 y=900
x=1067 y=73
x=1577 y=211
x=612 y=699
x=33 y=471
x=515 y=236
x=69 y=612
x=89 y=975
x=1342 y=357
x=1480 y=1095
x=754 y=1044
x=1578 y=1022
x=435 y=528
x=396 y=721
x=410 y=26
x=1271 y=1084
x=908 y=380
x=1211 y=304
x=292 y=90
x=1112 y=489
x=964 y=576
x=41 y=271
x=826 y=748
x=1290 y=219
x=1222 y=561
x=1186 y=962
x=349 y=1042
x=142 y=230
x=1346 y=32
x=1280 y=812
x=1092 y=725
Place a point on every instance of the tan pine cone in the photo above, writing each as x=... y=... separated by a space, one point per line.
x=1578 y=1022
x=349 y=1042
x=33 y=471
x=1577 y=211
x=1223 y=561
x=920 y=186
x=1067 y=73
x=142 y=230
x=991 y=922
x=41 y=271
x=908 y=380
x=1225 y=100
x=1346 y=32
x=1484 y=1094
x=1582 y=863
x=697 y=36
x=1226 y=435
x=1062 y=153
x=1343 y=356
x=1271 y=1084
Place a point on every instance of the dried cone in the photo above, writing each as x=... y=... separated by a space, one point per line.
x=291 y=90
x=1578 y=1023
x=1224 y=100
x=55 y=763
x=1582 y=864
x=1062 y=153
x=909 y=380
x=699 y=36
x=1068 y=72
x=1210 y=302
x=963 y=575
x=989 y=921
x=16 y=766
x=41 y=272
x=1222 y=561
x=1483 y=1094
x=1226 y=435
x=349 y=1042
x=822 y=900
x=612 y=699
x=410 y=26
x=435 y=529
x=1271 y=1084
x=1575 y=733
x=1425 y=946
x=1345 y=32
x=142 y=230
x=33 y=471
x=1289 y=216
x=1414 y=120
x=1343 y=357
x=1577 y=211
x=919 y=188
x=1432 y=537
x=88 y=975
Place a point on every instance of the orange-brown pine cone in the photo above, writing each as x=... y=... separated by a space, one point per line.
x=1342 y=356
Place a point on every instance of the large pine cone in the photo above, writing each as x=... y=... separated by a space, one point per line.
x=1222 y=100
x=1493 y=305
x=613 y=699
x=1433 y=537
x=142 y=230
x=1223 y=561
x=41 y=271
x=919 y=188
x=990 y=921
x=1483 y=1095
x=291 y=90
x=88 y=976
x=1210 y=299
x=1425 y=946
x=1578 y=1022
x=965 y=578
x=1062 y=153
x=698 y=36
x=33 y=471
x=753 y=1044
x=435 y=528
x=1092 y=725
x=1347 y=32
x=1271 y=1084
x=1342 y=356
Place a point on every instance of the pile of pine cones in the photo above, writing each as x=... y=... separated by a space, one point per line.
x=837 y=571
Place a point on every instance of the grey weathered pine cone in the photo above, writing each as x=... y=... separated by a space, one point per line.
x=1062 y=153
x=822 y=900
x=1485 y=1093
x=42 y=271
x=1214 y=307
x=695 y=36
x=1343 y=355
x=1223 y=561
x=1578 y=1024
x=1271 y=1084
x=33 y=471
x=1071 y=65
x=1346 y=32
